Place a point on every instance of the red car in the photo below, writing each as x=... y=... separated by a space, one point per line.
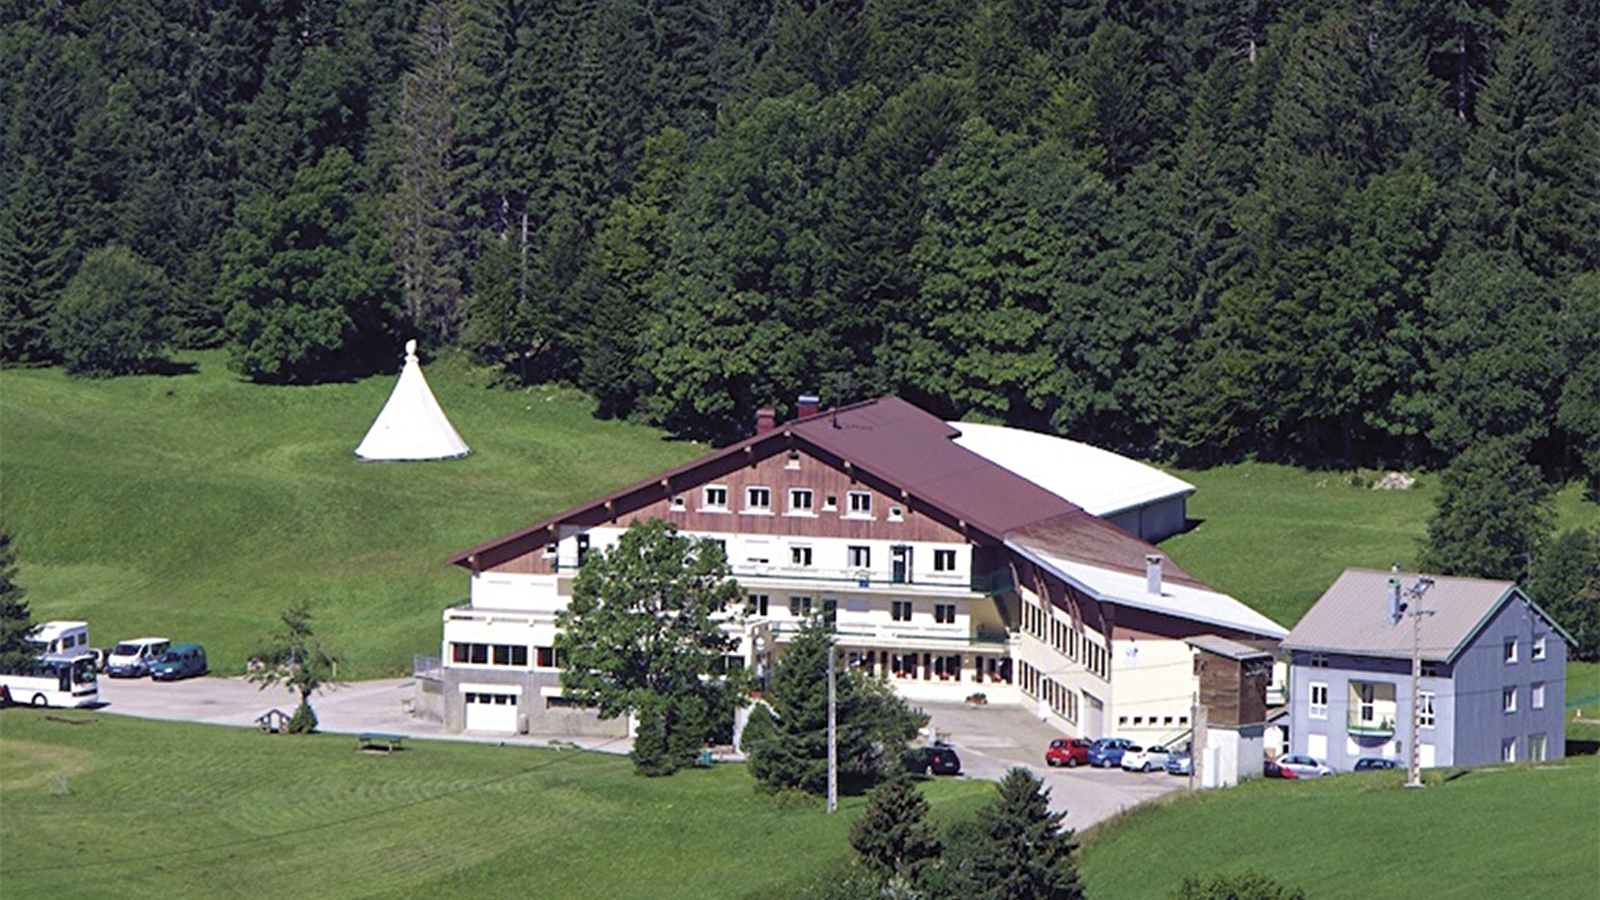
x=1069 y=752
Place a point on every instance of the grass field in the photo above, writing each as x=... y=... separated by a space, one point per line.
x=134 y=809
x=199 y=506
x=1276 y=537
x=1497 y=832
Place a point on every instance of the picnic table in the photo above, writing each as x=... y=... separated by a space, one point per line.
x=382 y=743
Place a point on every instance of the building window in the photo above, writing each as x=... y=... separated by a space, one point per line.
x=1425 y=717
x=1511 y=651
x=900 y=610
x=677 y=503
x=715 y=497
x=860 y=557
x=544 y=657
x=896 y=514
x=1536 y=748
x=944 y=613
x=860 y=503
x=944 y=560
x=756 y=605
x=1508 y=699
x=799 y=607
x=758 y=499
x=800 y=500
x=1538 y=648
x=1430 y=669
x=1319 y=660
x=1536 y=695
x=830 y=610
x=800 y=556
x=1508 y=750
x=1319 y=701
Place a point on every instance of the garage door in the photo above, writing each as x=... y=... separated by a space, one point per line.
x=491 y=711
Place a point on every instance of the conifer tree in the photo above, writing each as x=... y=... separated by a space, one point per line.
x=16 y=621
x=1015 y=850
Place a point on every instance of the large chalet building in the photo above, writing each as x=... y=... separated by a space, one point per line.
x=950 y=557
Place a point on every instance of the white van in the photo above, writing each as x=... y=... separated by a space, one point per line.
x=132 y=659
x=67 y=639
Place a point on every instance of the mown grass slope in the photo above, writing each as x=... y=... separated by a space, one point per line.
x=198 y=506
x=1494 y=832
x=133 y=809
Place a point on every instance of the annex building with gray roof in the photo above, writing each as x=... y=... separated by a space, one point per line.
x=1493 y=672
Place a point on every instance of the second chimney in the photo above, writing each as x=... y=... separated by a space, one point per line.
x=807 y=405
x=1152 y=573
x=766 y=420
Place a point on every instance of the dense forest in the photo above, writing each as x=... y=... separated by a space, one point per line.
x=1331 y=232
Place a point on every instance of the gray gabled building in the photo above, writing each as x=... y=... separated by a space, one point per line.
x=1493 y=685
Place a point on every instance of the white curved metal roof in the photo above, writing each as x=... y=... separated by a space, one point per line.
x=1101 y=482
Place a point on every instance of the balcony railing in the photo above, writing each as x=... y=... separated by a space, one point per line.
x=994 y=583
x=1374 y=726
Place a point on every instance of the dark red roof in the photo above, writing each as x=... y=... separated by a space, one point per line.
x=909 y=452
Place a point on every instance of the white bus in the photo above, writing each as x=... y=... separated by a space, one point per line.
x=54 y=681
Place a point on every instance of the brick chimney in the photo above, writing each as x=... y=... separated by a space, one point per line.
x=807 y=405
x=766 y=419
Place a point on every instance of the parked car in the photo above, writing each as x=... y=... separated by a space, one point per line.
x=1370 y=763
x=1271 y=769
x=132 y=659
x=1107 y=752
x=934 y=759
x=1304 y=766
x=1069 y=752
x=1142 y=759
x=182 y=661
x=1180 y=762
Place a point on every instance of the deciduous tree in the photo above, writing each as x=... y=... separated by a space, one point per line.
x=294 y=658
x=1493 y=511
x=642 y=635
x=112 y=317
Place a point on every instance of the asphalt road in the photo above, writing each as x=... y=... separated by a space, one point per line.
x=990 y=739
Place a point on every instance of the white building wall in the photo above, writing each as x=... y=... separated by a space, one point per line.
x=1156 y=685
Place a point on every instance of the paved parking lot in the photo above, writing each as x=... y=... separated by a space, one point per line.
x=990 y=739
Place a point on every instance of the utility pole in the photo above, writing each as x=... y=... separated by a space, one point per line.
x=833 y=733
x=1416 y=612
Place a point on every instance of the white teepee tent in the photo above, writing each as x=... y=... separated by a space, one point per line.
x=411 y=425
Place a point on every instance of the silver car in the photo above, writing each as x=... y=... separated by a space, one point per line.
x=1304 y=766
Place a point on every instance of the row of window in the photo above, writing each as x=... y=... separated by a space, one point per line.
x=1511 y=650
x=1317 y=701
x=1163 y=721
x=504 y=655
x=802 y=502
x=800 y=608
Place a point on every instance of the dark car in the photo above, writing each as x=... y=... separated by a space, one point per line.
x=1372 y=763
x=1069 y=752
x=1107 y=752
x=182 y=661
x=934 y=759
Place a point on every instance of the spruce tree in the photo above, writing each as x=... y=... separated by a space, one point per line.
x=16 y=620
x=894 y=837
x=1015 y=850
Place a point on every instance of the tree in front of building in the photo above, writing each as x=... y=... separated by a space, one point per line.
x=1015 y=849
x=643 y=634
x=786 y=739
x=294 y=658
x=16 y=620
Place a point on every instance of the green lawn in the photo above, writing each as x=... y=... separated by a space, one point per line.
x=1498 y=832
x=1275 y=537
x=135 y=809
x=199 y=506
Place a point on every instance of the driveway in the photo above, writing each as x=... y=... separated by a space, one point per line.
x=991 y=739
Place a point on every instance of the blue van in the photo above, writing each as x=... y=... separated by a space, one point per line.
x=181 y=661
